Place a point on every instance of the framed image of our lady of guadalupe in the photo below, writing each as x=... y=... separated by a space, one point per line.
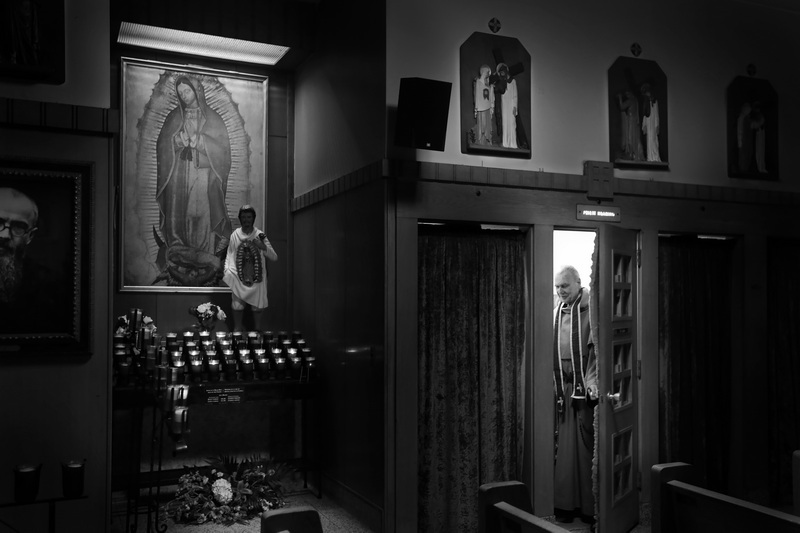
x=194 y=149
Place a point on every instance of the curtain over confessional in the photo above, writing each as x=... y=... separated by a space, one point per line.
x=471 y=339
x=694 y=302
x=783 y=365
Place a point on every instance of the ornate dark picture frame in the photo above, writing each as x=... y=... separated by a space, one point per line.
x=638 y=107
x=752 y=129
x=47 y=306
x=495 y=108
x=184 y=176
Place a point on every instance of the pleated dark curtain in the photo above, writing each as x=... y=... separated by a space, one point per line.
x=694 y=296
x=783 y=360
x=471 y=337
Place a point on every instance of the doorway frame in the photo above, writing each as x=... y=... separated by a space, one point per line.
x=650 y=208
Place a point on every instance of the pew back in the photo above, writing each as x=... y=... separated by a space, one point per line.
x=698 y=510
x=682 y=507
x=510 y=519
x=505 y=507
x=796 y=481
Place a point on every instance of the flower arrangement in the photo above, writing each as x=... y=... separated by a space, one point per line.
x=227 y=491
x=208 y=311
x=123 y=325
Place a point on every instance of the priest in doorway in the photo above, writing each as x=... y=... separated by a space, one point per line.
x=575 y=377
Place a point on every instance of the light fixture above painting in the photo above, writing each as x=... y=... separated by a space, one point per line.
x=200 y=44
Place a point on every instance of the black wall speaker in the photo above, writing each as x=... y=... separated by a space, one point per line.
x=422 y=109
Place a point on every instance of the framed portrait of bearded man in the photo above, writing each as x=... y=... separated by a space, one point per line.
x=46 y=250
x=194 y=150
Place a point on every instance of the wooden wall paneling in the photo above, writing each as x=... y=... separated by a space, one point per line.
x=406 y=376
x=339 y=280
x=238 y=27
x=390 y=364
x=59 y=116
x=278 y=23
x=172 y=12
x=211 y=21
x=528 y=469
x=277 y=316
x=364 y=334
x=279 y=112
x=26 y=112
x=60 y=408
x=193 y=17
x=277 y=215
x=502 y=205
x=542 y=385
x=156 y=13
x=648 y=355
x=259 y=18
x=278 y=230
x=330 y=323
x=304 y=281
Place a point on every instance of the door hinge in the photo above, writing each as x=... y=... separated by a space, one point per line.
x=638 y=481
x=639 y=368
x=638 y=259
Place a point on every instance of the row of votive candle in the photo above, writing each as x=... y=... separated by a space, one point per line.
x=245 y=366
x=197 y=353
x=211 y=363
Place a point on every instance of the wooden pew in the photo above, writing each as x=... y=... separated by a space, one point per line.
x=680 y=506
x=505 y=507
x=796 y=481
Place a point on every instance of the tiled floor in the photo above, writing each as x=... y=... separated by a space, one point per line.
x=578 y=526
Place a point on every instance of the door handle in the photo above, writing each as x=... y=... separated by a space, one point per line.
x=613 y=397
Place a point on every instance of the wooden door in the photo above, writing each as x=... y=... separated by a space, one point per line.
x=614 y=300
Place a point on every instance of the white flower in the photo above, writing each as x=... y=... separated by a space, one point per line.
x=222 y=491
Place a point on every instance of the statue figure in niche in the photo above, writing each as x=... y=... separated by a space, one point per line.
x=650 y=122
x=631 y=135
x=751 y=138
x=483 y=96
x=506 y=87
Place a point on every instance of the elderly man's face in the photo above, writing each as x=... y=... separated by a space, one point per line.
x=17 y=221
x=567 y=287
x=17 y=225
